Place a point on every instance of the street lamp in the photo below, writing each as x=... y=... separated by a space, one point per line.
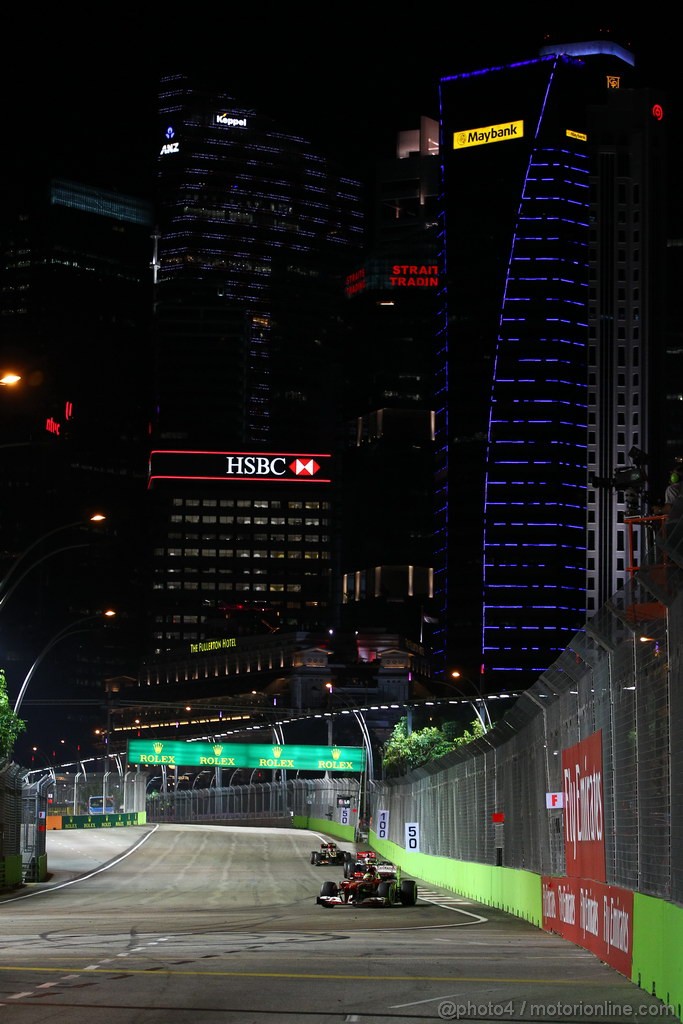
x=484 y=722
x=11 y=581
x=9 y=379
x=70 y=630
x=363 y=726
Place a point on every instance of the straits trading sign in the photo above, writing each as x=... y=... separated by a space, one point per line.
x=227 y=466
x=383 y=275
x=295 y=757
x=490 y=133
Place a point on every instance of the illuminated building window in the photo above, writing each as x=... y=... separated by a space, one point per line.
x=276 y=588
x=311 y=554
x=277 y=554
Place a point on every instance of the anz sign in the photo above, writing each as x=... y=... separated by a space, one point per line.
x=169 y=146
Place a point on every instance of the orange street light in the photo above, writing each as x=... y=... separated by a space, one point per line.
x=10 y=378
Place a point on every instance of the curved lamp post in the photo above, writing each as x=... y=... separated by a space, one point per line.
x=484 y=722
x=69 y=630
x=11 y=581
x=349 y=709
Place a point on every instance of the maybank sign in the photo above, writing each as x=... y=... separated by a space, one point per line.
x=492 y=133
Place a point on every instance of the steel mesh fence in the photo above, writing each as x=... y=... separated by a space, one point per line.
x=622 y=677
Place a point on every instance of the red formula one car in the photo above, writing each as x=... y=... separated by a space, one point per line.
x=384 y=888
x=356 y=866
x=329 y=853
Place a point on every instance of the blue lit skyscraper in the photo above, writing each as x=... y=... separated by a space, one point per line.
x=548 y=347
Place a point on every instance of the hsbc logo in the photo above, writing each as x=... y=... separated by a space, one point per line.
x=264 y=465
x=300 y=468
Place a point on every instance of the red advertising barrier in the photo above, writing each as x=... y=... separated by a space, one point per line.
x=584 y=835
x=595 y=916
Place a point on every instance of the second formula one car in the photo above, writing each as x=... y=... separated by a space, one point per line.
x=385 y=889
x=329 y=853
x=356 y=866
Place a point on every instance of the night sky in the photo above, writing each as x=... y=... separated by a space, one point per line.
x=79 y=95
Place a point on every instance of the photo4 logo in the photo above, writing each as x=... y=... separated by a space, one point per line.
x=290 y=467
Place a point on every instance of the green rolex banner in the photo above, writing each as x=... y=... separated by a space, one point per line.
x=293 y=757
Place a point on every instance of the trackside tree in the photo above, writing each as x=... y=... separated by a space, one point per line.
x=10 y=724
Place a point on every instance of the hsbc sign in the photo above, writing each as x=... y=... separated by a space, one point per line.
x=233 y=466
x=276 y=465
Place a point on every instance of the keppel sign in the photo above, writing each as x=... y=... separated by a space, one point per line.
x=291 y=757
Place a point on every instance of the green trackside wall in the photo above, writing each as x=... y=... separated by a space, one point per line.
x=514 y=891
x=330 y=828
x=11 y=872
x=657 y=945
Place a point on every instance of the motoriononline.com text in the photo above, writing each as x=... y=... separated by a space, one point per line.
x=525 y=1010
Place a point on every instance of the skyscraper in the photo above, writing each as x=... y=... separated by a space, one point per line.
x=388 y=462
x=548 y=343
x=256 y=231
x=75 y=307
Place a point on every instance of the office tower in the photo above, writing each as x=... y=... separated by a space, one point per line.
x=75 y=307
x=549 y=347
x=254 y=236
x=255 y=230
x=388 y=462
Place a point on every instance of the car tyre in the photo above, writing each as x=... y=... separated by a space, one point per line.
x=408 y=893
x=384 y=890
x=329 y=889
